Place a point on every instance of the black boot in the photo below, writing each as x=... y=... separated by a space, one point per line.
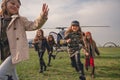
x=54 y=56
x=49 y=59
x=82 y=77
x=9 y=77
x=82 y=69
x=87 y=63
x=48 y=64
x=45 y=68
x=86 y=67
x=93 y=72
x=41 y=69
x=77 y=69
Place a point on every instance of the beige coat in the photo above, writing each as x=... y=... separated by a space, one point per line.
x=17 y=36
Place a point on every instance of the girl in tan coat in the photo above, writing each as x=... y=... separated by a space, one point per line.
x=13 y=41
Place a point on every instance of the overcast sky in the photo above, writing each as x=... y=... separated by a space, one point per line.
x=87 y=12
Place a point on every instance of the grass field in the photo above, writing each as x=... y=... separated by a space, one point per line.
x=107 y=67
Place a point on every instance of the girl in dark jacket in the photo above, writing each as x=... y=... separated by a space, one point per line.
x=51 y=43
x=41 y=45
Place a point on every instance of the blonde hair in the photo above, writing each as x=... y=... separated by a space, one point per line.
x=3 y=6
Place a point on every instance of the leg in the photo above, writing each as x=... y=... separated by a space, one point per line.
x=87 y=62
x=14 y=74
x=72 y=61
x=53 y=56
x=80 y=67
x=93 y=72
x=92 y=66
x=6 y=67
x=79 y=64
x=41 y=66
x=42 y=63
x=49 y=59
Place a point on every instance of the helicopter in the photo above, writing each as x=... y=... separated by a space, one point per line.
x=58 y=36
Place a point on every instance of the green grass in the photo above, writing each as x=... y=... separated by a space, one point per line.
x=107 y=67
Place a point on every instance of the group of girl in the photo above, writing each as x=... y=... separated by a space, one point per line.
x=41 y=44
x=76 y=40
x=14 y=47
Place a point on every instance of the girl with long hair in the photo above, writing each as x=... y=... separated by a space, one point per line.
x=51 y=43
x=74 y=39
x=13 y=41
x=41 y=43
x=91 y=49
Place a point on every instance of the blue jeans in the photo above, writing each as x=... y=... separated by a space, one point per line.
x=8 y=69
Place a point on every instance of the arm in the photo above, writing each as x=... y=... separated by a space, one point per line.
x=85 y=48
x=36 y=46
x=39 y=22
x=47 y=46
x=96 y=49
x=66 y=36
x=85 y=52
x=67 y=39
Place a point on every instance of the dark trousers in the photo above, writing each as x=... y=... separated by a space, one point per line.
x=49 y=58
x=50 y=55
x=42 y=62
x=76 y=63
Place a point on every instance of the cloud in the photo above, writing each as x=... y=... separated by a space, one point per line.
x=88 y=12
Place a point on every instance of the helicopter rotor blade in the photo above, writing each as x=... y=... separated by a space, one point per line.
x=67 y=27
x=94 y=26
x=48 y=28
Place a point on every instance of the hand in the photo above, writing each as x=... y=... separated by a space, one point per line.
x=87 y=54
x=45 y=9
x=68 y=40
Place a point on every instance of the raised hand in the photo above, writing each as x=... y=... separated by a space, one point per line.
x=45 y=9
